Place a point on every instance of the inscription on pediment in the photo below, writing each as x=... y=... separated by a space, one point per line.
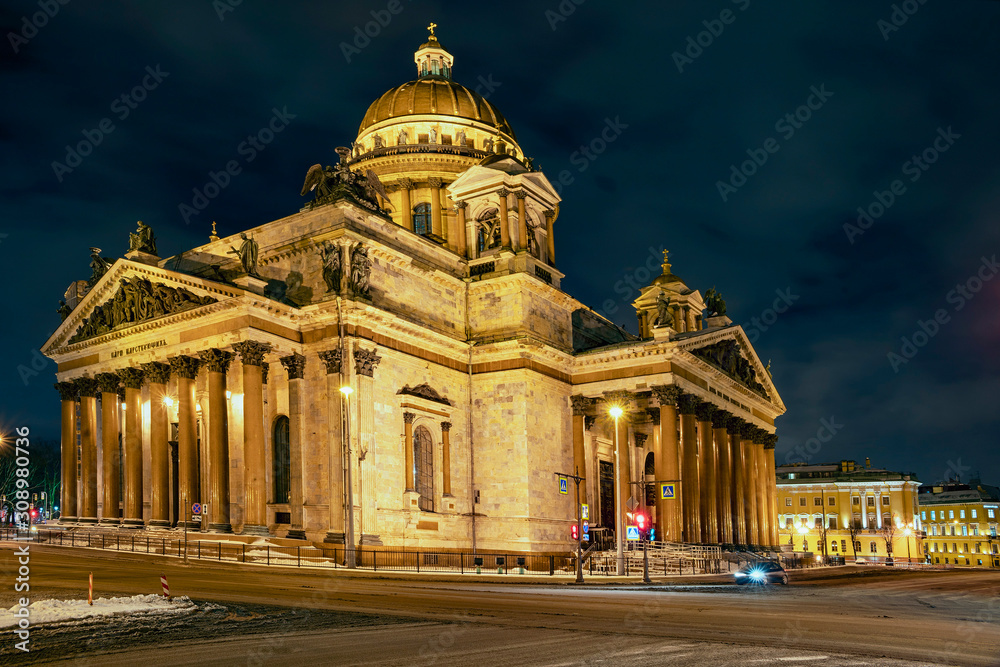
x=137 y=300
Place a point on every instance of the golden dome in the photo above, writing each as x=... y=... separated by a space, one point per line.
x=431 y=95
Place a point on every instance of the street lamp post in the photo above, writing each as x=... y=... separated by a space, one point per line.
x=351 y=560
x=803 y=531
x=616 y=412
x=907 y=532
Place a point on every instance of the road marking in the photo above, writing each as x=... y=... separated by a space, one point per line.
x=805 y=657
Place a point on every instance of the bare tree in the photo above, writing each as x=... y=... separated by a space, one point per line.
x=888 y=532
x=854 y=529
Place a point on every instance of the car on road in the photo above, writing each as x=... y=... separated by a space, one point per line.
x=762 y=572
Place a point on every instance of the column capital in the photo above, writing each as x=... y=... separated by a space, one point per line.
x=332 y=359
x=687 y=404
x=640 y=439
x=462 y=205
x=108 y=382
x=733 y=425
x=705 y=410
x=251 y=352
x=132 y=377
x=445 y=426
x=746 y=430
x=720 y=418
x=87 y=387
x=295 y=365
x=759 y=436
x=184 y=366
x=408 y=417
x=216 y=360
x=156 y=372
x=68 y=391
x=404 y=184
x=435 y=182
x=365 y=361
x=771 y=441
x=588 y=422
x=619 y=397
x=667 y=394
x=503 y=192
x=580 y=404
x=520 y=194
x=549 y=214
x=654 y=415
x=121 y=393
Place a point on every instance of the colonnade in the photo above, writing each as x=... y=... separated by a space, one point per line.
x=721 y=467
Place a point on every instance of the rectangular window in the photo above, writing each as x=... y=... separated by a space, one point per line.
x=885 y=501
x=973 y=514
x=818 y=522
x=871 y=501
x=953 y=531
x=833 y=523
x=933 y=515
x=802 y=502
x=923 y=515
x=975 y=530
x=818 y=502
x=951 y=514
x=989 y=514
x=965 y=530
x=788 y=502
x=788 y=522
x=832 y=502
x=843 y=545
x=961 y=514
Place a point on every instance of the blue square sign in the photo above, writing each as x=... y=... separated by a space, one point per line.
x=563 y=485
x=666 y=491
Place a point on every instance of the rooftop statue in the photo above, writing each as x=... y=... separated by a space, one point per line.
x=142 y=239
x=64 y=310
x=663 y=317
x=714 y=303
x=247 y=253
x=98 y=266
x=332 y=183
x=361 y=267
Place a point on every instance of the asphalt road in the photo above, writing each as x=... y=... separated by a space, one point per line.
x=835 y=616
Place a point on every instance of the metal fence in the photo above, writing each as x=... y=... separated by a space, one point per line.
x=327 y=556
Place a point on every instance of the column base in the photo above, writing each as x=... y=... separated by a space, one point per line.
x=133 y=523
x=250 y=529
x=87 y=519
x=109 y=522
x=371 y=540
x=295 y=534
x=159 y=523
x=68 y=519
x=220 y=527
x=335 y=537
x=191 y=525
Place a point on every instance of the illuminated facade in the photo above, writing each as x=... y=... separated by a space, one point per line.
x=818 y=503
x=961 y=521
x=423 y=277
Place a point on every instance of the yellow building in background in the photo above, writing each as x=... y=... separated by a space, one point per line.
x=818 y=504
x=961 y=521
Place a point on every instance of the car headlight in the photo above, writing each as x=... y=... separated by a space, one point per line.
x=757 y=575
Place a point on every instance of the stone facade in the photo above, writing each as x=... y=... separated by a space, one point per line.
x=452 y=348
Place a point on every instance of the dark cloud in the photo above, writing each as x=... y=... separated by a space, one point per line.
x=655 y=185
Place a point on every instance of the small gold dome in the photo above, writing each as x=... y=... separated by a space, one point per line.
x=435 y=95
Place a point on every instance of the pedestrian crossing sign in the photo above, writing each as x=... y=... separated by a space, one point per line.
x=563 y=485
x=666 y=491
x=632 y=533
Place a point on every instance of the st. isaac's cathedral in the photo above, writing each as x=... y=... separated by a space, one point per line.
x=399 y=351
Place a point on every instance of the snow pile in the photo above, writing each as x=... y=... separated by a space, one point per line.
x=54 y=611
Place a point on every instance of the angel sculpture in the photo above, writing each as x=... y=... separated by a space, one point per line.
x=317 y=179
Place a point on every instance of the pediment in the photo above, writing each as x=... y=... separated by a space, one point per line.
x=730 y=352
x=424 y=391
x=132 y=294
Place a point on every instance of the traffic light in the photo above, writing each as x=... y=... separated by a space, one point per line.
x=574 y=532
x=640 y=522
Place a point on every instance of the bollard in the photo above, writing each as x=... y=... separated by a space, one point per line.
x=166 y=588
x=90 y=590
x=298 y=555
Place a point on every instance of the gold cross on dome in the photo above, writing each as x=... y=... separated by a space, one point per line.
x=431 y=28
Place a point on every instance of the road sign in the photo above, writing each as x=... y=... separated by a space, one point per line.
x=631 y=503
x=632 y=533
x=584 y=511
x=563 y=485
x=586 y=527
x=667 y=492
x=196 y=508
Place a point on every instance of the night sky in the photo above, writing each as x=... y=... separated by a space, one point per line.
x=884 y=85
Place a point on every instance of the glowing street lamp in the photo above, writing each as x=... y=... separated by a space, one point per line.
x=803 y=531
x=616 y=412
x=351 y=561
x=907 y=531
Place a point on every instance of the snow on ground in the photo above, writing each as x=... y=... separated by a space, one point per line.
x=54 y=611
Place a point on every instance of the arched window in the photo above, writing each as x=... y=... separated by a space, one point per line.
x=280 y=460
x=650 y=489
x=489 y=229
x=873 y=547
x=422 y=219
x=423 y=467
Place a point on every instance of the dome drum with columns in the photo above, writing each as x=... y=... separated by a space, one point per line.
x=423 y=278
